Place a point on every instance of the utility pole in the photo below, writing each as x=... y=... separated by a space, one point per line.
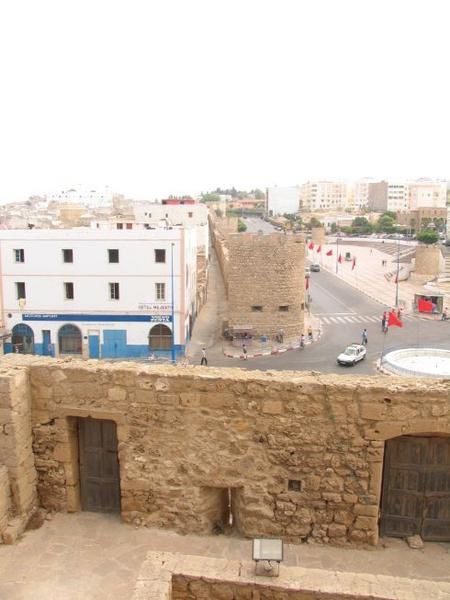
x=396 y=277
x=337 y=248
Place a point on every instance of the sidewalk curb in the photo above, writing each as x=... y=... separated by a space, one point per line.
x=376 y=299
x=272 y=352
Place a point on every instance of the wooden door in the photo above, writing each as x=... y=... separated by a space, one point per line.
x=99 y=465
x=416 y=488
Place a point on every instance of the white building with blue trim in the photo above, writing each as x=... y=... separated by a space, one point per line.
x=98 y=293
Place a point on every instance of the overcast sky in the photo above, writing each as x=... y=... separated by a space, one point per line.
x=155 y=97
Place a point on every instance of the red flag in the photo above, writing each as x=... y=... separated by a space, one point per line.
x=311 y=246
x=306 y=283
x=319 y=248
x=394 y=320
x=354 y=263
x=330 y=253
x=340 y=258
x=425 y=305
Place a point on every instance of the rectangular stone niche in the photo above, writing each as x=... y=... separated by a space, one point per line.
x=221 y=508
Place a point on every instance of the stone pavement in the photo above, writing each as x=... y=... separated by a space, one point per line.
x=208 y=325
x=368 y=276
x=92 y=556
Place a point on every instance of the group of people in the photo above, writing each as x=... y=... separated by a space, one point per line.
x=302 y=338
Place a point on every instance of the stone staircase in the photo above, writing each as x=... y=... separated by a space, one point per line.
x=444 y=276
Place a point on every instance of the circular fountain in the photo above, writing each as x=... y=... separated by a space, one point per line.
x=417 y=362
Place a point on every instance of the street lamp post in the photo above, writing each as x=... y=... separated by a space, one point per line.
x=172 y=302
x=396 y=276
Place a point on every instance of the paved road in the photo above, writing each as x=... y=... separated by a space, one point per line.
x=255 y=224
x=344 y=312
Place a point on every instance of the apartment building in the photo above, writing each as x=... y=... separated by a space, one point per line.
x=323 y=195
x=98 y=293
x=282 y=200
x=397 y=196
x=427 y=194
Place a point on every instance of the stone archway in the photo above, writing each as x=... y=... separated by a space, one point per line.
x=69 y=340
x=22 y=339
x=416 y=487
x=160 y=338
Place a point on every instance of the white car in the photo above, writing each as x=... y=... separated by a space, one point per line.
x=352 y=354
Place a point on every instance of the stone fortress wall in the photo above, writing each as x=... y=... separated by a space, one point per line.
x=301 y=453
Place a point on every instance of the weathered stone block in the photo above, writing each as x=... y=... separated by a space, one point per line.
x=335 y=530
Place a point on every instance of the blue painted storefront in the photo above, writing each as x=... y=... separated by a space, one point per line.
x=114 y=340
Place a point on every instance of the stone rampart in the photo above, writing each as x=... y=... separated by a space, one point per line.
x=290 y=454
x=16 y=450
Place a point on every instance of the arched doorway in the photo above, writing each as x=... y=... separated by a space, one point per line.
x=69 y=340
x=160 y=338
x=22 y=339
x=416 y=487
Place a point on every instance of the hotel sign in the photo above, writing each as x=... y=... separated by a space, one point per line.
x=160 y=307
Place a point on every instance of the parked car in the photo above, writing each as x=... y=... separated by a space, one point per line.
x=352 y=354
x=315 y=267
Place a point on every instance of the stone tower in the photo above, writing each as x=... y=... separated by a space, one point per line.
x=266 y=283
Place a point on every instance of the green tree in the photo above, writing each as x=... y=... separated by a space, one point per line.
x=390 y=213
x=386 y=224
x=427 y=236
x=210 y=197
x=258 y=194
x=313 y=222
x=241 y=226
x=361 y=225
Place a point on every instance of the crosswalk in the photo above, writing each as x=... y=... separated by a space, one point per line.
x=344 y=318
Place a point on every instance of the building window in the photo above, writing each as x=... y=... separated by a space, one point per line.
x=68 y=290
x=129 y=225
x=160 y=256
x=20 y=290
x=160 y=291
x=119 y=225
x=283 y=308
x=190 y=215
x=160 y=338
x=67 y=255
x=113 y=255
x=257 y=308
x=19 y=255
x=69 y=340
x=114 y=291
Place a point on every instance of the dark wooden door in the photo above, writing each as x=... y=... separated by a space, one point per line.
x=99 y=465
x=416 y=488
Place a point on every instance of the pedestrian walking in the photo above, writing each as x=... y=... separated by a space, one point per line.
x=310 y=333
x=383 y=323
x=302 y=342
x=244 y=351
x=204 y=360
x=365 y=337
